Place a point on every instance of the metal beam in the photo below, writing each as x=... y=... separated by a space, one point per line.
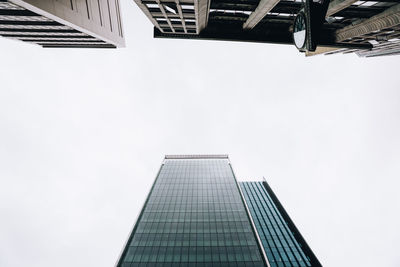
x=218 y=16
x=387 y=19
x=338 y=5
x=272 y=36
x=147 y=12
x=361 y=12
x=294 y=8
x=202 y=9
x=261 y=11
x=180 y=12
x=161 y=5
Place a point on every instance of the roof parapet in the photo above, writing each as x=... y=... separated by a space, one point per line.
x=206 y=156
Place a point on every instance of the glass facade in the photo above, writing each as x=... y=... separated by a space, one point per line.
x=194 y=216
x=283 y=244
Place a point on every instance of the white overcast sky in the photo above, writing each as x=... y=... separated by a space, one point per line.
x=83 y=133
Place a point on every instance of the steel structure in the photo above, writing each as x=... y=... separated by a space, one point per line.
x=63 y=23
x=368 y=28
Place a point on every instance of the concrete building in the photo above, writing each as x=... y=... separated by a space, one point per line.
x=367 y=28
x=196 y=215
x=63 y=23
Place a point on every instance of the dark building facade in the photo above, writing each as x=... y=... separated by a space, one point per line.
x=367 y=28
x=193 y=216
x=196 y=215
x=282 y=242
x=63 y=23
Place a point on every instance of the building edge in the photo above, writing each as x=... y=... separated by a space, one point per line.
x=296 y=233
x=198 y=156
x=253 y=226
x=130 y=236
x=42 y=12
x=170 y=156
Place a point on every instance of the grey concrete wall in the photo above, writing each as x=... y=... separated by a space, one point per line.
x=100 y=18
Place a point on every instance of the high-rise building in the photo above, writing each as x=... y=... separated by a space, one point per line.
x=282 y=242
x=63 y=23
x=196 y=215
x=367 y=28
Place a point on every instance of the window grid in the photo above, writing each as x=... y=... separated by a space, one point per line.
x=278 y=241
x=194 y=216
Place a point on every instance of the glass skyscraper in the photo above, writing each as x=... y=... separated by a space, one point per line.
x=195 y=215
x=282 y=242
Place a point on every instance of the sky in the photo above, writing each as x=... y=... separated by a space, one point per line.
x=84 y=131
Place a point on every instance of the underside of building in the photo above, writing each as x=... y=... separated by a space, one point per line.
x=368 y=28
x=63 y=23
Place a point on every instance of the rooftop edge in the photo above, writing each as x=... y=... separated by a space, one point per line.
x=207 y=156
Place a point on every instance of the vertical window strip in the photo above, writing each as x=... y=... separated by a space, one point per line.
x=100 y=14
x=267 y=221
x=87 y=8
x=251 y=201
x=279 y=226
x=109 y=14
x=288 y=231
x=118 y=17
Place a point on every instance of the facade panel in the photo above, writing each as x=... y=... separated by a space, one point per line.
x=282 y=242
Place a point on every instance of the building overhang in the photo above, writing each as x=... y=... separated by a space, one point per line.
x=230 y=20
x=51 y=23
